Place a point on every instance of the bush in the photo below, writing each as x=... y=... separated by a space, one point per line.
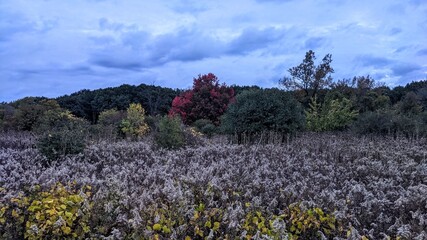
x=63 y=212
x=56 y=144
x=170 y=134
x=334 y=115
x=61 y=134
x=258 y=111
x=108 y=126
x=133 y=125
x=391 y=123
x=205 y=126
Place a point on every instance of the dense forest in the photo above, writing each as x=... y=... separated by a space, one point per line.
x=315 y=159
x=359 y=104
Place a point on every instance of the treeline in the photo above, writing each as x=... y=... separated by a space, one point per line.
x=310 y=101
x=89 y=104
x=370 y=107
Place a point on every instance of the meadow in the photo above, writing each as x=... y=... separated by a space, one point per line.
x=316 y=186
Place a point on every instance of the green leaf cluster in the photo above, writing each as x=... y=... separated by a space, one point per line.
x=258 y=111
x=170 y=134
x=61 y=134
x=336 y=114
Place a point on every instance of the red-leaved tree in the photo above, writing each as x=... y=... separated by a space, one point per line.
x=206 y=100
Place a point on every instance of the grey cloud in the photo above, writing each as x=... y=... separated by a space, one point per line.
x=395 y=31
x=136 y=39
x=314 y=43
x=253 y=39
x=401 y=69
x=369 y=60
x=139 y=49
x=102 y=40
x=189 y=6
x=108 y=62
x=186 y=45
x=422 y=52
x=273 y=1
x=11 y=24
x=402 y=49
x=106 y=24
x=73 y=70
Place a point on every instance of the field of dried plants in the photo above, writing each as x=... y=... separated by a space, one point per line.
x=317 y=186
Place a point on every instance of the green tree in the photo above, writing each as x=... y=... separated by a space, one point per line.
x=170 y=134
x=410 y=104
x=334 y=115
x=6 y=116
x=134 y=125
x=61 y=133
x=313 y=116
x=309 y=78
x=29 y=110
x=256 y=111
x=109 y=122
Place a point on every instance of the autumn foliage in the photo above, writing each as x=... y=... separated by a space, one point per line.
x=206 y=100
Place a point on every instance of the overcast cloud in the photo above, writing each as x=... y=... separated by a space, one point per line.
x=56 y=47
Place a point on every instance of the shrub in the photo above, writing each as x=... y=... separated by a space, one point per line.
x=134 y=125
x=170 y=134
x=205 y=126
x=61 y=134
x=257 y=111
x=30 y=109
x=62 y=212
x=334 y=115
x=109 y=123
x=391 y=123
x=311 y=223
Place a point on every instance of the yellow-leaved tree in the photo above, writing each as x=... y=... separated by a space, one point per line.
x=134 y=125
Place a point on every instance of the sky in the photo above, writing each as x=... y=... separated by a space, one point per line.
x=56 y=47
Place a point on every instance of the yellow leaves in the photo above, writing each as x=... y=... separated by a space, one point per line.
x=216 y=226
x=66 y=230
x=51 y=214
x=310 y=220
x=255 y=220
x=134 y=124
x=208 y=224
x=69 y=214
x=166 y=230
x=196 y=215
x=86 y=229
x=198 y=231
x=15 y=213
x=157 y=227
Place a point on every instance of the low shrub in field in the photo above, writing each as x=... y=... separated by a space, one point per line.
x=206 y=127
x=170 y=134
x=134 y=125
x=61 y=134
x=311 y=223
x=62 y=212
x=257 y=111
x=56 y=144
